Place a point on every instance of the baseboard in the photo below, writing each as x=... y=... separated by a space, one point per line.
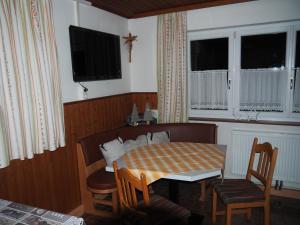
x=78 y=211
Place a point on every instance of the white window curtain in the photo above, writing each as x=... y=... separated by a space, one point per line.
x=209 y=89
x=296 y=94
x=171 y=67
x=262 y=89
x=31 y=107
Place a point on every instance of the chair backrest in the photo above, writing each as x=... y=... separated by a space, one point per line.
x=128 y=185
x=85 y=169
x=266 y=164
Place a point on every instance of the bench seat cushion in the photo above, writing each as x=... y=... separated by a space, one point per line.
x=101 y=180
x=238 y=190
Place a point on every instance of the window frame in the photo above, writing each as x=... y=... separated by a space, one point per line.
x=192 y=36
x=234 y=35
x=294 y=30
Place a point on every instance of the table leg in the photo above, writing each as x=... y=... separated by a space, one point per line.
x=203 y=191
x=173 y=191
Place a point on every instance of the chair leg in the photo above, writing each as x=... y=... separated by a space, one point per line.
x=248 y=213
x=228 y=214
x=267 y=213
x=214 y=207
x=115 y=202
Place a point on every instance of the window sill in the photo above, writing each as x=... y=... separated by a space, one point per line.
x=267 y=122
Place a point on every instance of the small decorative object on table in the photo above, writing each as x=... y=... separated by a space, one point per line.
x=135 y=119
x=148 y=114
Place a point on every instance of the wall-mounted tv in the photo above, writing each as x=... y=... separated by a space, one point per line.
x=95 y=55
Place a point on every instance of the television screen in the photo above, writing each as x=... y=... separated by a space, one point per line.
x=95 y=55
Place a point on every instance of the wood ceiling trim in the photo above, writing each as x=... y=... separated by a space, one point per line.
x=111 y=10
x=188 y=7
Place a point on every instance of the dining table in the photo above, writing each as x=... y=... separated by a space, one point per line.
x=177 y=161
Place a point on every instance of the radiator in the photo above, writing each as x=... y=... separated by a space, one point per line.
x=288 y=161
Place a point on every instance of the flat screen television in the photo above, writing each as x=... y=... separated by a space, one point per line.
x=95 y=55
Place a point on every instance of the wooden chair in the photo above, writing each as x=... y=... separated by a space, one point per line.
x=98 y=187
x=240 y=195
x=152 y=209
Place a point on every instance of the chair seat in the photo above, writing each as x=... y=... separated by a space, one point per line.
x=238 y=190
x=101 y=180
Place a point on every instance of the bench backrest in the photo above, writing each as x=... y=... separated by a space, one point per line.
x=179 y=132
x=183 y=132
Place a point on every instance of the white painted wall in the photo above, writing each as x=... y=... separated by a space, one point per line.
x=143 y=65
x=63 y=15
x=255 y=12
x=92 y=18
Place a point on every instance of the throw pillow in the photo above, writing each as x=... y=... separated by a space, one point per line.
x=112 y=150
x=158 y=137
x=140 y=141
x=129 y=145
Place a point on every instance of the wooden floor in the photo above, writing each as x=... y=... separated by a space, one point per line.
x=284 y=211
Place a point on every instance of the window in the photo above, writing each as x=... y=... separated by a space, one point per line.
x=263 y=72
x=245 y=72
x=209 y=74
x=296 y=88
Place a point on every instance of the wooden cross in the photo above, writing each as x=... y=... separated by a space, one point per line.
x=129 y=39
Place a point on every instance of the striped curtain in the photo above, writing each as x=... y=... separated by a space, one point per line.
x=171 y=67
x=30 y=105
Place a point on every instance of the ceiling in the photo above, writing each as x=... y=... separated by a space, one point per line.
x=143 y=8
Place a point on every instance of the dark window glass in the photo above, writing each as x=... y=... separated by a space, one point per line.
x=263 y=51
x=297 y=61
x=211 y=54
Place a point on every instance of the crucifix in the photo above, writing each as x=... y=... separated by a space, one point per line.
x=129 y=39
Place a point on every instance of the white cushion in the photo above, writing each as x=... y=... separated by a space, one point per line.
x=112 y=150
x=129 y=145
x=158 y=137
x=140 y=141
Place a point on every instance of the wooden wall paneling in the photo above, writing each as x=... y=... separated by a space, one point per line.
x=71 y=139
x=141 y=98
x=106 y=115
x=28 y=180
x=60 y=161
x=41 y=189
x=98 y=117
x=14 y=192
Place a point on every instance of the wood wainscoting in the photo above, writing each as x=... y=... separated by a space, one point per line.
x=50 y=180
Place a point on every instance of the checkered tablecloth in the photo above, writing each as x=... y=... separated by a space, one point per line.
x=161 y=160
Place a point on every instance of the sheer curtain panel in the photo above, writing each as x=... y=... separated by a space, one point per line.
x=296 y=94
x=262 y=89
x=31 y=108
x=209 y=89
x=171 y=67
